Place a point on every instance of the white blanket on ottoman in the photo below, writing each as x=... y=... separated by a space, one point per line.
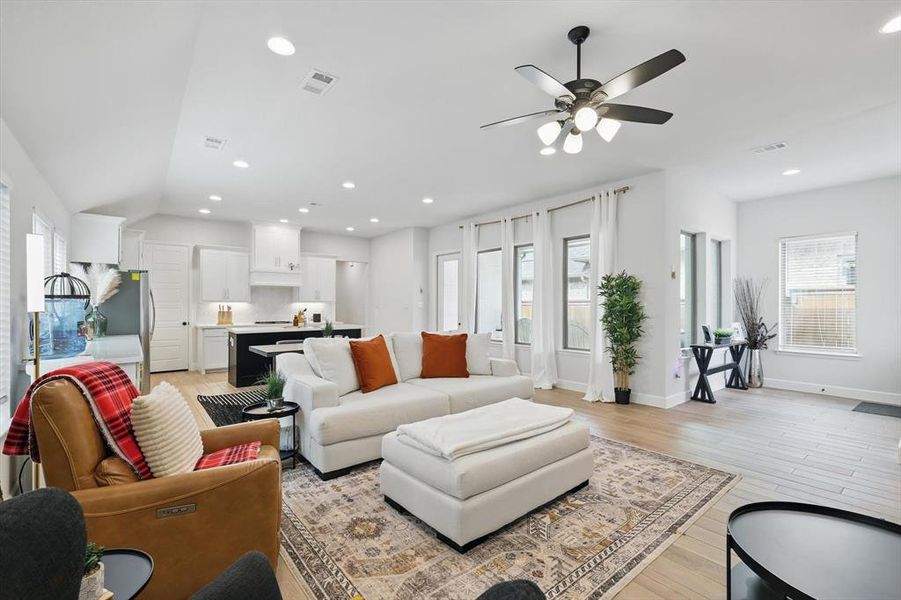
x=456 y=435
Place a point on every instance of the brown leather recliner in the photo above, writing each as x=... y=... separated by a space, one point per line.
x=194 y=525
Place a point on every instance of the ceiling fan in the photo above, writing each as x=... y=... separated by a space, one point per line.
x=584 y=104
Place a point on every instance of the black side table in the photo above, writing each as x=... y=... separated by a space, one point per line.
x=256 y=412
x=126 y=572
x=703 y=353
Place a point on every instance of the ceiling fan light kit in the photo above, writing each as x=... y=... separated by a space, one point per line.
x=583 y=104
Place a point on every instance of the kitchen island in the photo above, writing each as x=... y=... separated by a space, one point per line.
x=246 y=367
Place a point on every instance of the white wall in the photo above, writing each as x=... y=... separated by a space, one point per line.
x=352 y=292
x=873 y=210
x=398 y=276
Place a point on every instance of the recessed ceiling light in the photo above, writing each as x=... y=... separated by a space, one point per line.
x=348 y=185
x=303 y=210
x=283 y=220
x=281 y=46
x=374 y=220
x=241 y=164
x=427 y=200
x=204 y=211
x=216 y=198
x=547 y=151
x=893 y=26
x=349 y=228
x=791 y=172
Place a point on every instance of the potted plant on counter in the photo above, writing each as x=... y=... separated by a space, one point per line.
x=328 y=330
x=274 y=389
x=747 y=299
x=722 y=335
x=92 y=581
x=624 y=315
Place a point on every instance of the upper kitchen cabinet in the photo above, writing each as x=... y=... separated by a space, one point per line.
x=318 y=279
x=96 y=239
x=224 y=276
x=275 y=259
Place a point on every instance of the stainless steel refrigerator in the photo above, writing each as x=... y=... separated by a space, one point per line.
x=131 y=312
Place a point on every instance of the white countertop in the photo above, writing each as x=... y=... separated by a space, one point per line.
x=215 y=326
x=289 y=328
x=118 y=349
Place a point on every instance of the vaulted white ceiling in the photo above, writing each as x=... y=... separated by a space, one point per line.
x=112 y=101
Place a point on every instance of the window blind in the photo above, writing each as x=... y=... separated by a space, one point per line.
x=43 y=228
x=5 y=333
x=818 y=293
x=60 y=254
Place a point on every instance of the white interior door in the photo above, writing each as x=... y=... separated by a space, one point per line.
x=170 y=268
x=449 y=292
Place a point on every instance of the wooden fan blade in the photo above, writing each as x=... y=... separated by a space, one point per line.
x=635 y=114
x=523 y=118
x=548 y=84
x=643 y=73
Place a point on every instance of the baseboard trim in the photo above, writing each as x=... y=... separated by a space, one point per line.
x=834 y=390
x=637 y=397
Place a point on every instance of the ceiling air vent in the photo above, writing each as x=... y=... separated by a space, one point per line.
x=770 y=148
x=213 y=143
x=318 y=82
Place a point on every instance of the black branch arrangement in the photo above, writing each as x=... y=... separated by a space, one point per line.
x=748 y=294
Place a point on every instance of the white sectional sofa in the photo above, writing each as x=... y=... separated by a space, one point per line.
x=342 y=427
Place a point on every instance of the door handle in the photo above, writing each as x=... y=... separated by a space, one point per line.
x=184 y=322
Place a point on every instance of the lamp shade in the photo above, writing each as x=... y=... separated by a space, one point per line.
x=34 y=272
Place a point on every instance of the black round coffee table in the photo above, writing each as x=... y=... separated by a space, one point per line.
x=261 y=410
x=805 y=551
x=126 y=571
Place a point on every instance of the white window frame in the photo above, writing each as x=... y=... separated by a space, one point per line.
x=517 y=291
x=478 y=295
x=440 y=259
x=5 y=307
x=565 y=320
x=693 y=275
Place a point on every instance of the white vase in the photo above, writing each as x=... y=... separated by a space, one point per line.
x=92 y=585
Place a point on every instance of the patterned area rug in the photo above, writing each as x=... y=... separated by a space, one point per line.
x=225 y=409
x=346 y=542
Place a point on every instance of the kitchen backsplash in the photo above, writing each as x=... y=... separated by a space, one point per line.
x=266 y=304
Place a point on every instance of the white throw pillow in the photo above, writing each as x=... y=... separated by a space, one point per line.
x=331 y=360
x=477 y=345
x=166 y=431
x=408 y=353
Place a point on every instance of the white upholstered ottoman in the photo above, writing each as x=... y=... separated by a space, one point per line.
x=466 y=499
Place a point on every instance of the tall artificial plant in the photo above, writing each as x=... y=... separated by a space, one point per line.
x=624 y=315
x=747 y=300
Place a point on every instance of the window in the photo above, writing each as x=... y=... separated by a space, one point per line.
x=488 y=294
x=5 y=333
x=524 y=278
x=687 y=296
x=60 y=254
x=818 y=294
x=716 y=284
x=578 y=293
x=43 y=228
x=448 y=292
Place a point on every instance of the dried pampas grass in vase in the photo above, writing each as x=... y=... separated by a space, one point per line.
x=103 y=282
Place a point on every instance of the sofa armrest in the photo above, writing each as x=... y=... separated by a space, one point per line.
x=217 y=438
x=311 y=392
x=503 y=367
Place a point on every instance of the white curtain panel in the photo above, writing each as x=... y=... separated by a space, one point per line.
x=469 y=275
x=508 y=310
x=544 y=357
x=603 y=261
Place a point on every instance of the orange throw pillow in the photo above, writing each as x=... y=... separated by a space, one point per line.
x=372 y=363
x=444 y=355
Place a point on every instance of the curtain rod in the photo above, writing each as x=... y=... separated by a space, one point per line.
x=621 y=190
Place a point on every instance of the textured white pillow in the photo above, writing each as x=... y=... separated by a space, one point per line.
x=166 y=431
x=408 y=353
x=477 y=345
x=331 y=360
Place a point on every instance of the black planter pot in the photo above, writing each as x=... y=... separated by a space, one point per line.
x=622 y=395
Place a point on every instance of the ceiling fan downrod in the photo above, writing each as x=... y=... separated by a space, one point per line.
x=578 y=35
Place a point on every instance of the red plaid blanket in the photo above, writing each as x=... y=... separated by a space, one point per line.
x=229 y=456
x=109 y=393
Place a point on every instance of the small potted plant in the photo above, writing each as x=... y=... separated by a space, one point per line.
x=623 y=316
x=722 y=335
x=273 y=389
x=92 y=581
x=328 y=330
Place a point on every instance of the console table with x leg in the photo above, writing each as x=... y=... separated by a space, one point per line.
x=703 y=353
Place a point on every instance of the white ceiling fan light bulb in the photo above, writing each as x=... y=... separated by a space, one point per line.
x=549 y=132
x=547 y=151
x=585 y=118
x=607 y=129
x=573 y=143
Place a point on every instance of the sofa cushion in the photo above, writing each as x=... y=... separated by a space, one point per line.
x=444 y=355
x=408 y=352
x=478 y=390
x=362 y=415
x=331 y=360
x=166 y=431
x=477 y=360
x=373 y=363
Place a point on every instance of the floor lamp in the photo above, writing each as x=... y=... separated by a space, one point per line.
x=34 y=303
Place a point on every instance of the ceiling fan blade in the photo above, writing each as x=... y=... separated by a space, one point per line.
x=548 y=84
x=635 y=114
x=643 y=73
x=523 y=118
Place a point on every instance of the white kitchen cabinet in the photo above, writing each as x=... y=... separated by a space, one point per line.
x=276 y=248
x=318 y=279
x=132 y=250
x=224 y=276
x=95 y=239
x=213 y=345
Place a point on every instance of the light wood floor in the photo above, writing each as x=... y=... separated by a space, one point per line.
x=785 y=445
